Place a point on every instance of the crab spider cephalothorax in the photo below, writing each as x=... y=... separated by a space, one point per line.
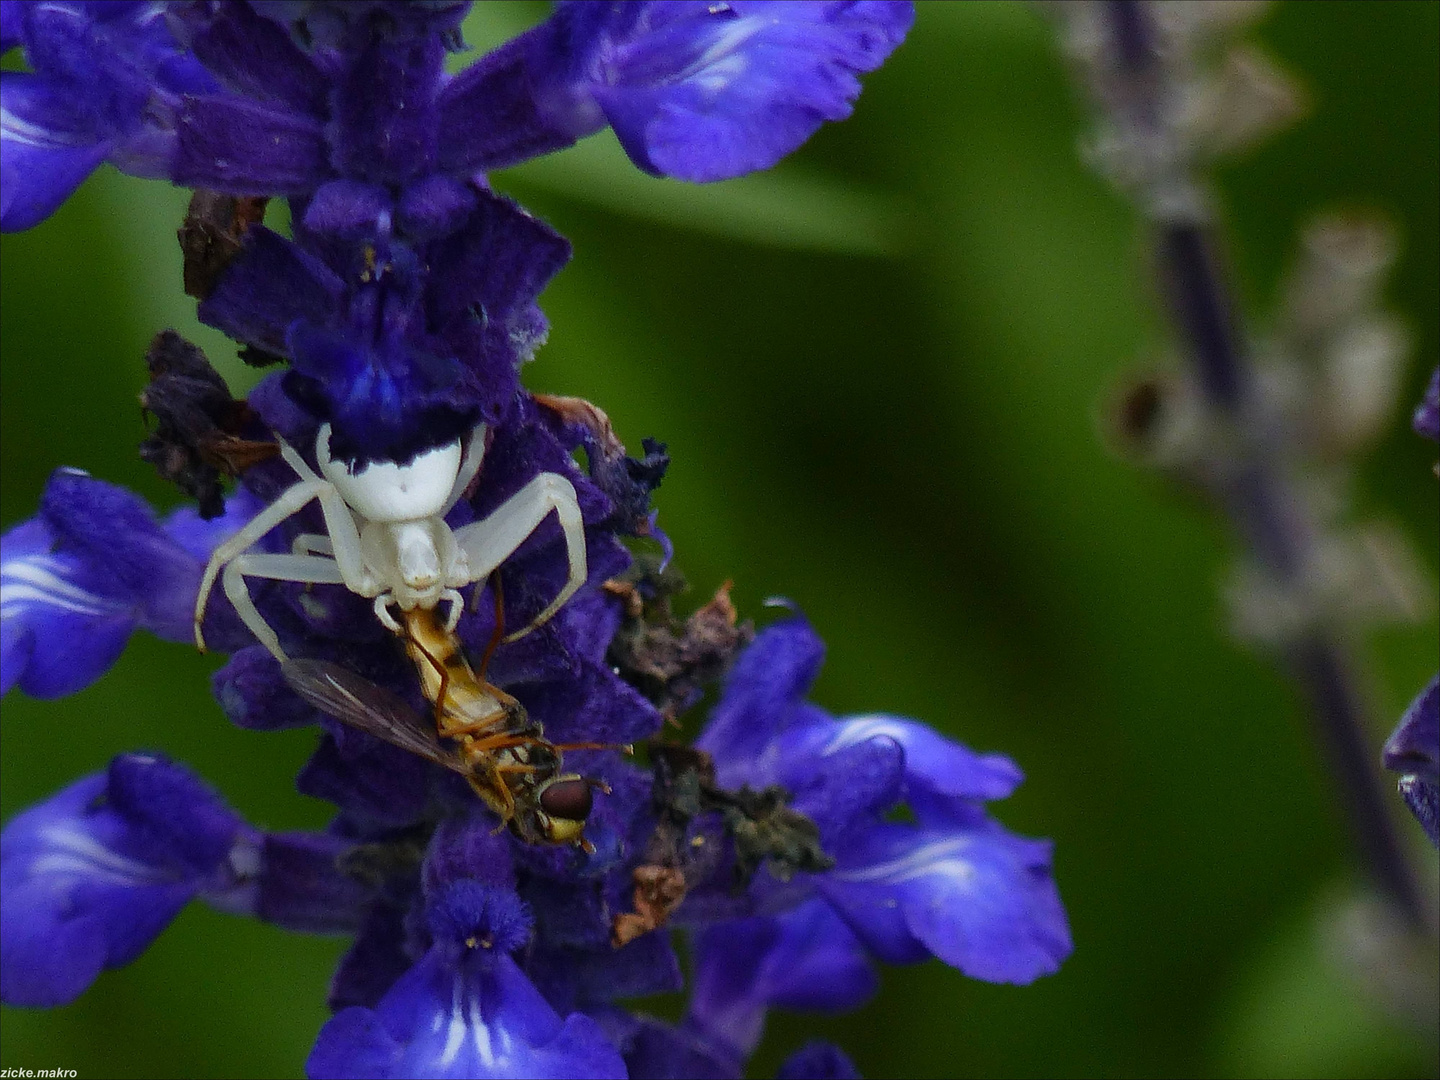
x=387 y=537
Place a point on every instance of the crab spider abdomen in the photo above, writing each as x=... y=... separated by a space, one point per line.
x=385 y=491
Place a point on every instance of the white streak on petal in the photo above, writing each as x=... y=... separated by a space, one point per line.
x=735 y=34
x=856 y=731
x=481 y=1034
x=455 y=1036
x=37 y=580
x=78 y=854
x=939 y=858
x=23 y=133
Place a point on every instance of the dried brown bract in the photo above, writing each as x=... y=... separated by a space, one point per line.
x=658 y=892
x=760 y=825
x=668 y=661
x=200 y=429
x=211 y=235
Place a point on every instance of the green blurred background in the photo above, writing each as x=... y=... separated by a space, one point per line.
x=877 y=369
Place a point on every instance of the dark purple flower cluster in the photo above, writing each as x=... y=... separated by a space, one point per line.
x=395 y=481
x=1413 y=749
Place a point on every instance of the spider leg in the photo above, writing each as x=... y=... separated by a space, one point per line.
x=382 y=612
x=296 y=462
x=290 y=502
x=312 y=544
x=457 y=608
x=469 y=466
x=345 y=542
x=305 y=568
x=490 y=542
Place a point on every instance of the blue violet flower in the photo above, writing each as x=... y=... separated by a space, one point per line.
x=409 y=559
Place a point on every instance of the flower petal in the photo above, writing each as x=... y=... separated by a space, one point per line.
x=848 y=789
x=1413 y=750
x=60 y=635
x=299 y=884
x=253 y=56
x=39 y=168
x=932 y=762
x=660 y=1051
x=77 y=580
x=247 y=147
x=979 y=898
x=270 y=285
x=105 y=82
x=805 y=959
x=478 y=1018
x=761 y=694
x=719 y=90
x=90 y=877
x=1414 y=746
x=695 y=90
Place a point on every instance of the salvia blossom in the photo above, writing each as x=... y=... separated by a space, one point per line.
x=404 y=304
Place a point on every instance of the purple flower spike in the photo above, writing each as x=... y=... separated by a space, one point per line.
x=695 y=90
x=1413 y=750
x=466 y=1009
x=91 y=877
x=79 y=578
x=106 y=83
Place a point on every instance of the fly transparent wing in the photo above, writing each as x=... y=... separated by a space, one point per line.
x=362 y=704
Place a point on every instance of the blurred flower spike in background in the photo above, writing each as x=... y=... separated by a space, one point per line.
x=404 y=303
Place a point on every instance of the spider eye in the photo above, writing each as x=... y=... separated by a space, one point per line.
x=570 y=800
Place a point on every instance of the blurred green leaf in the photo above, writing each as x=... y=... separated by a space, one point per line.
x=782 y=208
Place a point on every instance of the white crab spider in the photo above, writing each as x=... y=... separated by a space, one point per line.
x=387 y=536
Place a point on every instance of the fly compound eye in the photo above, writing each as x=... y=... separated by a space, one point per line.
x=569 y=800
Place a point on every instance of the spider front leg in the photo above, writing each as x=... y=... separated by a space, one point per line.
x=490 y=542
x=310 y=569
x=343 y=542
x=291 y=501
